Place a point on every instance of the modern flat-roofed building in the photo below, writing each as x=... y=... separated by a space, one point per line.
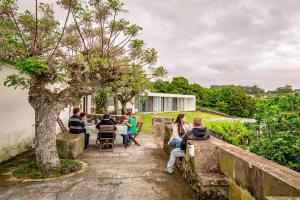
x=149 y=102
x=164 y=102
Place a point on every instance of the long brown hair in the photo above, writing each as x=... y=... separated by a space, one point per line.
x=179 y=124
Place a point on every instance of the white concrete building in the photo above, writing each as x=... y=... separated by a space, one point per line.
x=152 y=102
x=161 y=102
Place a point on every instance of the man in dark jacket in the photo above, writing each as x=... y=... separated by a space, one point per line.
x=76 y=125
x=197 y=133
x=106 y=121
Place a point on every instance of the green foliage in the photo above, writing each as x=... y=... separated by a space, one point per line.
x=233 y=132
x=31 y=170
x=279 y=121
x=31 y=66
x=101 y=100
x=281 y=147
x=16 y=81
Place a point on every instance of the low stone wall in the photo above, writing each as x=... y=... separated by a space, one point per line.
x=213 y=112
x=220 y=170
x=70 y=146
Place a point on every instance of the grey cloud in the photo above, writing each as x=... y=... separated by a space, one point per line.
x=222 y=42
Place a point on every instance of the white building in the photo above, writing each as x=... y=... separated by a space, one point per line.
x=151 y=102
x=161 y=102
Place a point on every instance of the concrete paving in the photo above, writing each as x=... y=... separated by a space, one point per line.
x=134 y=173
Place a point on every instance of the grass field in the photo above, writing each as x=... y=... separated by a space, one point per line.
x=147 y=118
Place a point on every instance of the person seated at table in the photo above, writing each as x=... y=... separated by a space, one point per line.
x=131 y=125
x=197 y=133
x=76 y=125
x=106 y=121
x=86 y=135
x=111 y=119
x=180 y=127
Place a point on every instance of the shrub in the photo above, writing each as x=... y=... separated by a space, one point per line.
x=233 y=132
x=31 y=170
x=282 y=147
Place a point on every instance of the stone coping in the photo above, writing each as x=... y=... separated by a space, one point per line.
x=268 y=168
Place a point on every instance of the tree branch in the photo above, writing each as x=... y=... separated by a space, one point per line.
x=62 y=33
x=36 y=26
x=17 y=27
x=78 y=29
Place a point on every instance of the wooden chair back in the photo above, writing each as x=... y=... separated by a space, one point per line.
x=62 y=126
x=139 y=126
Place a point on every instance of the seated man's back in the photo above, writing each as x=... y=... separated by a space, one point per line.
x=105 y=121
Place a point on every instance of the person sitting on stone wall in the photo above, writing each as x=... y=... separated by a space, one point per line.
x=180 y=127
x=197 y=133
x=76 y=125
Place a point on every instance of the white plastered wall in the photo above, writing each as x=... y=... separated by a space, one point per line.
x=17 y=119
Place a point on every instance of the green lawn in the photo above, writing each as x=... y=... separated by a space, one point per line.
x=147 y=118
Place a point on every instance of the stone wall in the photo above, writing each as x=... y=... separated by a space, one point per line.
x=220 y=170
x=213 y=112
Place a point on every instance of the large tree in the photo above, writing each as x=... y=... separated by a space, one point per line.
x=77 y=55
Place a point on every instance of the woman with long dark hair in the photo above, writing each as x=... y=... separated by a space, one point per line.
x=180 y=127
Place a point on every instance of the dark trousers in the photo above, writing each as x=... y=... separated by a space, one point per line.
x=86 y=140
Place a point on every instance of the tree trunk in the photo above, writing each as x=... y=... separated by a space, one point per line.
x=116 y=105
x=123 y=108
x=45 y=132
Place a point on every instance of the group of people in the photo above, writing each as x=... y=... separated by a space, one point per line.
x=77 y=125
x=182 y=132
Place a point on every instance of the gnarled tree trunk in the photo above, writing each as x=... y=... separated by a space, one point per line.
x=45 y=132
x=123 y=107
x=47 y=108
x=116 y=105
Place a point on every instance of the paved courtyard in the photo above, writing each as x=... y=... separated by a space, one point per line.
x=134 y=173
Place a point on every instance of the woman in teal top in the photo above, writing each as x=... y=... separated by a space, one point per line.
x=131 y=125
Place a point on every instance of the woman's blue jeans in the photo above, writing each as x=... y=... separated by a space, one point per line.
x=175 y=143
x=126 y=137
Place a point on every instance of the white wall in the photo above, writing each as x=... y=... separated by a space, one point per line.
x=17 y=119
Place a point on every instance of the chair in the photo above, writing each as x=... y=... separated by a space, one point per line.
x=139 y=127
x=61 y=125
x=106 y=137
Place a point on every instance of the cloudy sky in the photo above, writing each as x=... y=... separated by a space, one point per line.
x=223 y=42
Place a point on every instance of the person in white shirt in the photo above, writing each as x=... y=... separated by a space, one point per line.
x=180 y=127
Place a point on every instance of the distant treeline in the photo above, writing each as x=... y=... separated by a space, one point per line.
x=230 y=100
x=260 y=92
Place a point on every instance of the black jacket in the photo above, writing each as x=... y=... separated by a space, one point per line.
x=106 y=122
x=194 y=134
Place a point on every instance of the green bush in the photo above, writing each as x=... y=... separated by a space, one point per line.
x=233 y=132
x=31 y=170
x=279 y=120
x=282 y=147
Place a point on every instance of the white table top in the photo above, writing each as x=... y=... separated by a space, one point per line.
x=121 y=129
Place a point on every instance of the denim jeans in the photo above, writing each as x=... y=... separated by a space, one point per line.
x=174 y=154
x=175 y=143
x=126 y=137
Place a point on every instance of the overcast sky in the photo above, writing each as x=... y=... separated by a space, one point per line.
x=210 y=42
